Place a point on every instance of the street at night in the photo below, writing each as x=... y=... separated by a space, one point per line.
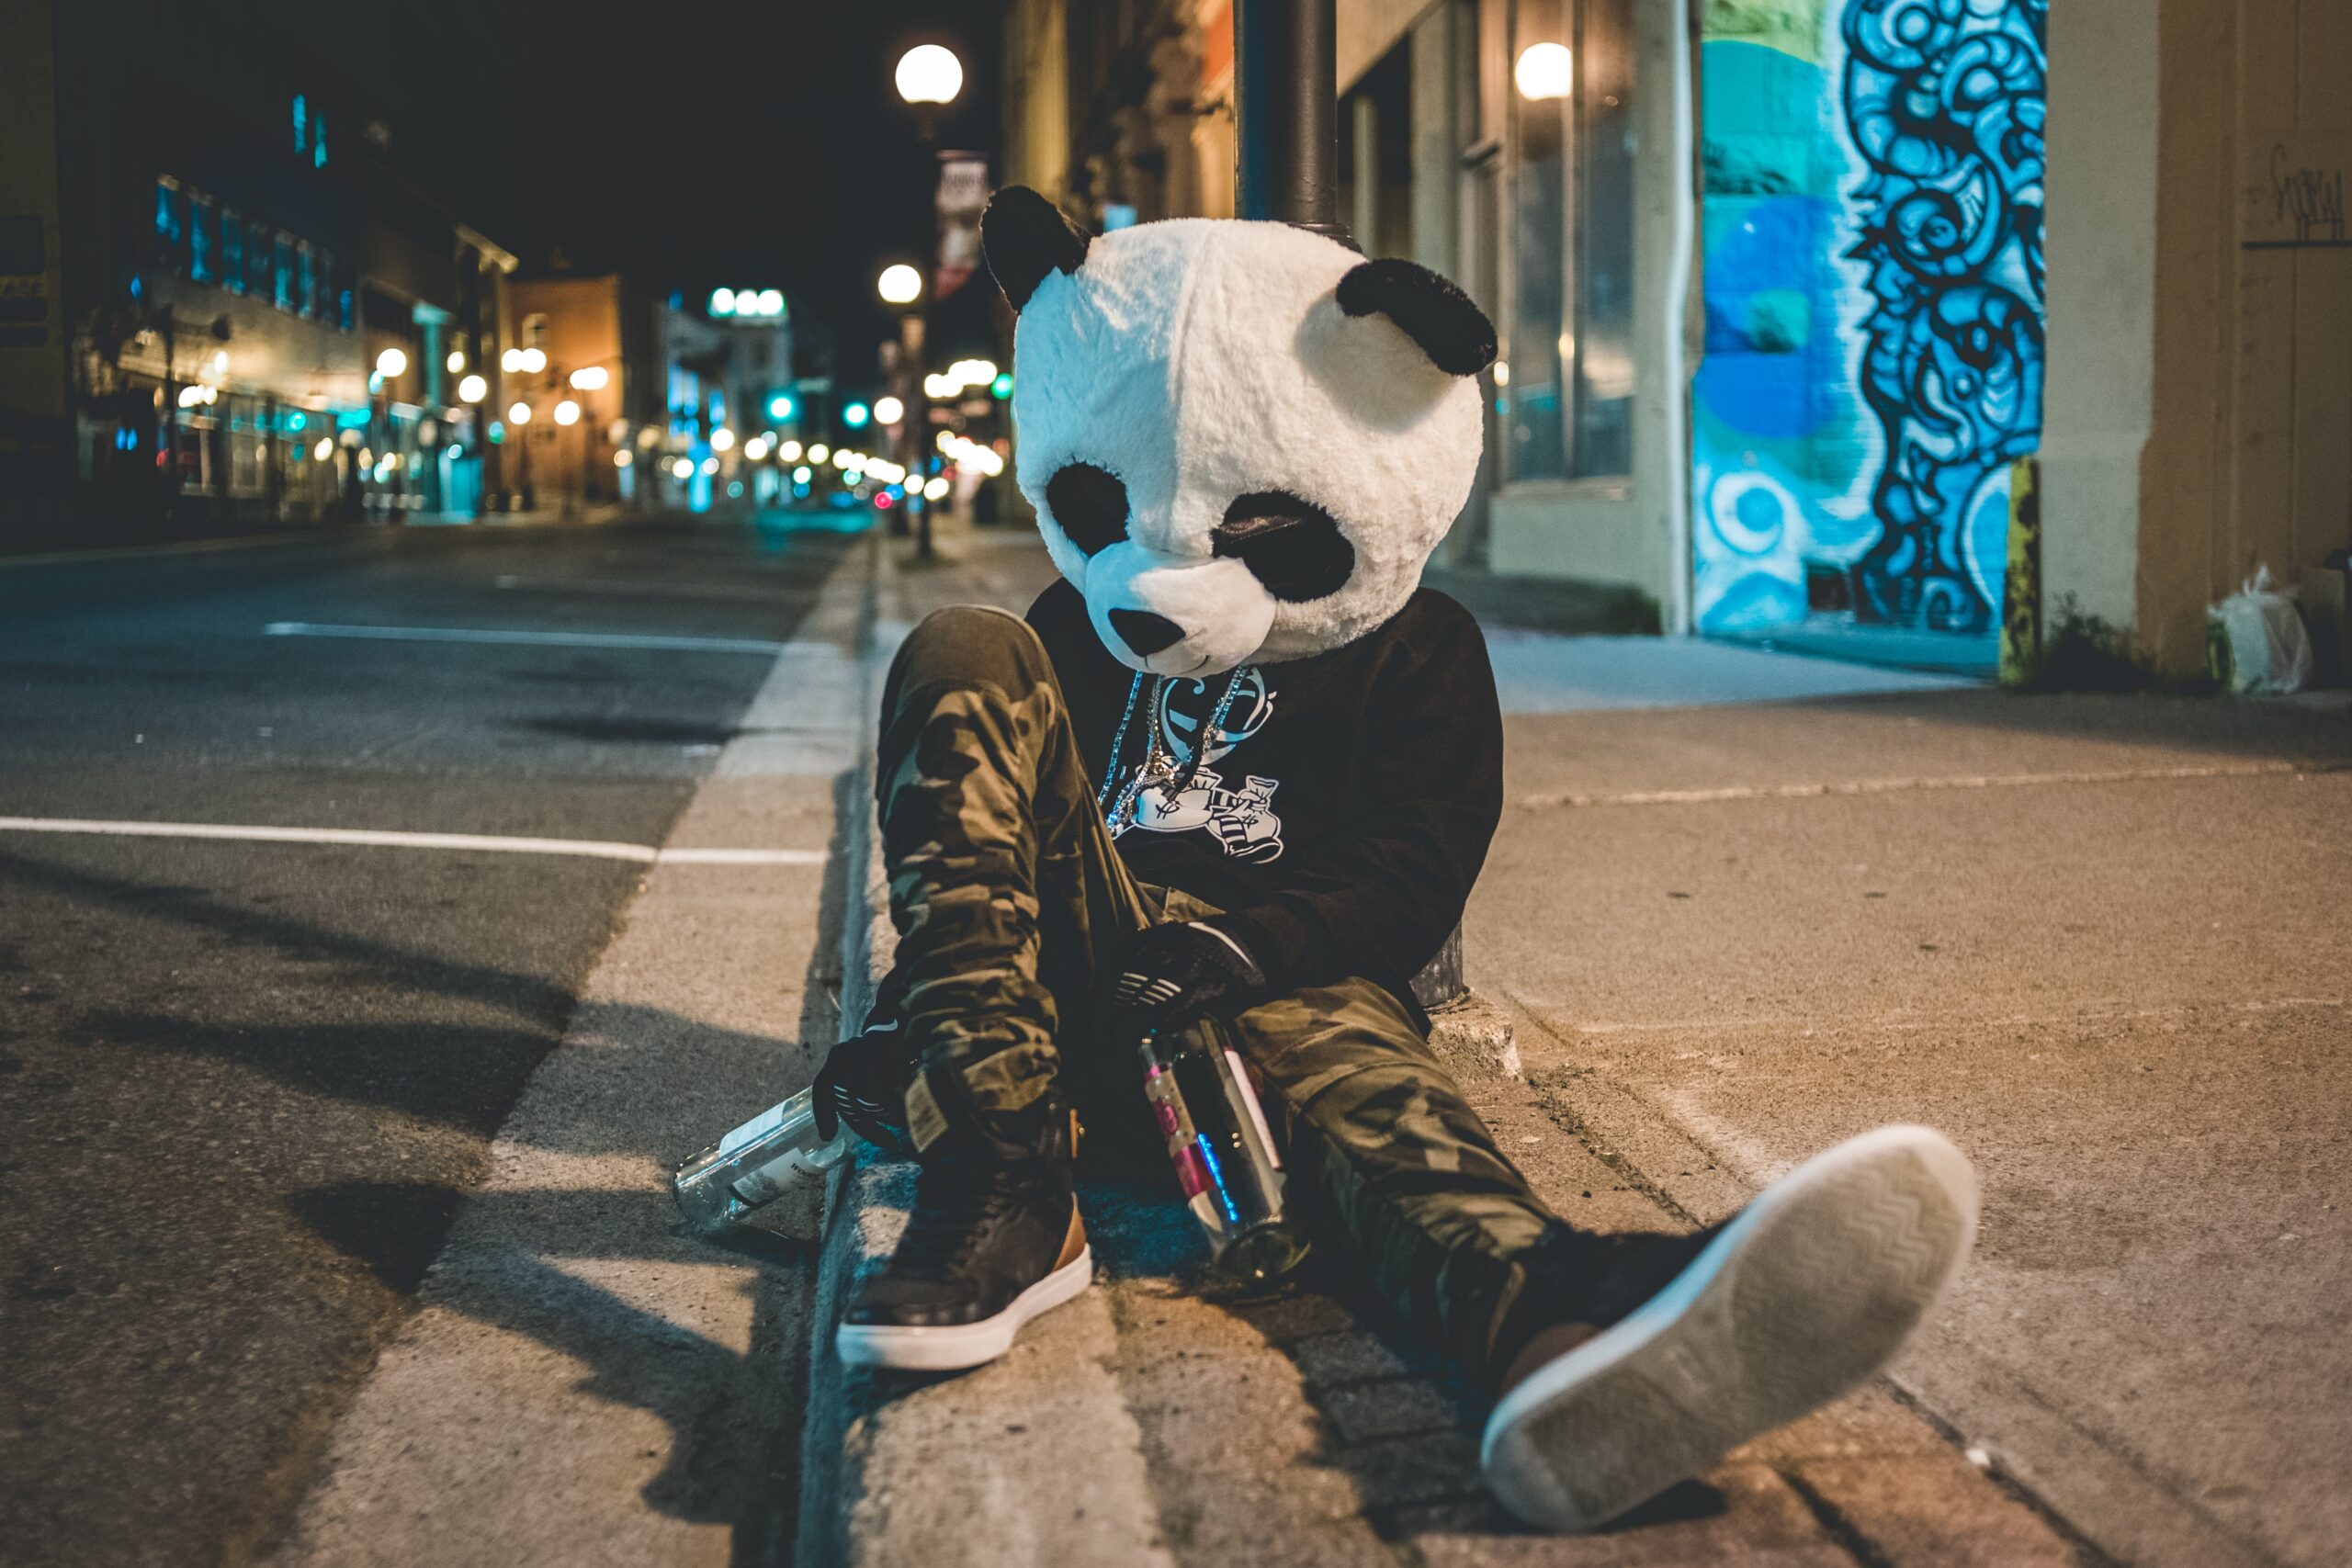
x=1302 y=783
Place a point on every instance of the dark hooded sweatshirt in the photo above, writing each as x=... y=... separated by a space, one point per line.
x=1346 y=804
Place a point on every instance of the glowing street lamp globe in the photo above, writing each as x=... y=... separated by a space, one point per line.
x=519 y=414
x=898 y=284
x=1545 y=71
x=567 y=413
x=928 y=73
x=889 y=410
x=390 y=363
x=472 y=390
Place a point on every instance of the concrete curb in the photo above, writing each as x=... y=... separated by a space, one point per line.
x=899 y=1469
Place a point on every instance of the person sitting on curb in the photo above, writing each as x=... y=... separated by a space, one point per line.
x=1239 y=772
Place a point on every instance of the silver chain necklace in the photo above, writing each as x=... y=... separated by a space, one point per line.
x=1157 y=767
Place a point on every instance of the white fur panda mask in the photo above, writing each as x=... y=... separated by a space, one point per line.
x=1242 y=439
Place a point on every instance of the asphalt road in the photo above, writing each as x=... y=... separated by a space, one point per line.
x=242 y=1084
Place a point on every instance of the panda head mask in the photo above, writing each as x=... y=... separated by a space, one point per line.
x=1242 y=439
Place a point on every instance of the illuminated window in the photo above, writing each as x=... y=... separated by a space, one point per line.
x=257 y=248
x=282 y=291
x=1567 y=407
x=305 y=293
x=200 y=239
x=232 y=252
x=169 y=209
x=301 y=123
x=317 y=140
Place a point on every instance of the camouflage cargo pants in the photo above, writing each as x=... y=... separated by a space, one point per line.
x=1010 y=898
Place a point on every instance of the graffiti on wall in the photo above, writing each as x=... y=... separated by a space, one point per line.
x=1874 y=287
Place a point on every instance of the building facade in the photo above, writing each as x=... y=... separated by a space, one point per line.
x=228 y=301
x=1782 y=298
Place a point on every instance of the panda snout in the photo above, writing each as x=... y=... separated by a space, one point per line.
x=1144 y=632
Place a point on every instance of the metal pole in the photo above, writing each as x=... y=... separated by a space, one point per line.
x=1286 y=102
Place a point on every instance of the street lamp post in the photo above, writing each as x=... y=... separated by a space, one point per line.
x=929 y=77
x=1286 y=106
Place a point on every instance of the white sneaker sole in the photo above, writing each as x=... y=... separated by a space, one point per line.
x=1808 y=1293
x=965 y=1344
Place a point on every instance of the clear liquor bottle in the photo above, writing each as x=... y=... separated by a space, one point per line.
x=757 y=1163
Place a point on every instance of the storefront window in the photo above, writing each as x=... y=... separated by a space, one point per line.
x=1565 y=387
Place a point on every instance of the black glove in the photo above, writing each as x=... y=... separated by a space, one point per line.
x=1176 y=972
x=863 y=1083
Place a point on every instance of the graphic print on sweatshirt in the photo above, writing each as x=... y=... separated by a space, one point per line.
x=1242 y=819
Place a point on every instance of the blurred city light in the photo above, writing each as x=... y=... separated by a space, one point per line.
x=819 y=452
x=928 y=73
x=322 y=449
x=756 y=447
x=855 y=415
x=684 y=467
x=788 y=453
x=722 y=440
x=591 y=378
x=390 y=363
x=567 y=413
x=1545 y=71
x=519 y=413
x=511 y=361
x=898 y=284
x=802 y=475
x=710 y=464
x=890 y=411
x=781 y=407
x=1002 y=386
x=533 y=360
x=472 y=390
x=747 y=304
x=624 y=458
x=455 y=362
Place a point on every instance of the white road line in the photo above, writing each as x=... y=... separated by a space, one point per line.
x=592 y=849
x=1963 y=780
x=764 y=646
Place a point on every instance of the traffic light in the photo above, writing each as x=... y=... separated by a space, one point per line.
x=781 y=407
x=854 y=415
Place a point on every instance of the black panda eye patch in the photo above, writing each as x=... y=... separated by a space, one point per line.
x=1090 y=503
x=1292 y=547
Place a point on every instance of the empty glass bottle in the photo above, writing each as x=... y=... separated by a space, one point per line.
x=756 y=1163
x=1223 y=1153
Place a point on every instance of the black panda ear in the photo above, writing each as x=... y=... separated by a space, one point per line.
x=1451 y=331
x=1023 y=237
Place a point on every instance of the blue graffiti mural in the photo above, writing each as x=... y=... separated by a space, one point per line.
x=1873 y=235
x=1943 y=99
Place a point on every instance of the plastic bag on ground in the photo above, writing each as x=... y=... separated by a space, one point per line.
x=2257 y=639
